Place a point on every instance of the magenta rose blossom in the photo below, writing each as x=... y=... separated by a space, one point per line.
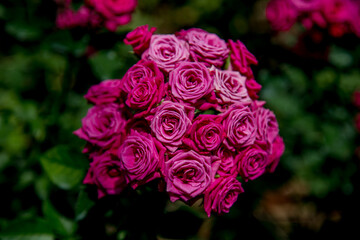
x=143 y=86
x=267 y=125
x=139 y=38
x=206 y=134
x=205 y=47
x=277 y=150
x=68 y=18
x=229 y=87
x=107 y=91
x=306 y=5
x=253 y=88
x=252 y=162
x=221 y=195
x=190 y=83
x=103 y=126
x=241 y=58
x=114 y=12
x=141 y=71
x=105 y=172
x=240 y=127
x=281 y=14
x=187 y=175
x=167 y=50
x=227 y=165
x=140 y=156
x=170 y=123
x=336 y=10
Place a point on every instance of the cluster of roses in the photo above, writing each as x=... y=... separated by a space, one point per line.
x=339 y=17
x=95 y=13
x=178 y=116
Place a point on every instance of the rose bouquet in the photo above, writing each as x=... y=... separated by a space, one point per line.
x=338 y=17
x=184 y=115
x=95 y=14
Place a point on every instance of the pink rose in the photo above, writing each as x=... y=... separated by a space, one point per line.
x=139 y=38
x=241 y=58
x=143 y=86
x=141 y=157
x=167 y=50
x=205 y=47
x=253 y=88
x=105 y=172
x=281 y=14
x=227 y=165
x=107 y=91
x=115 y=12
x=252 y=162
x=306 y=5
x=68 y=18
x=103 y=126
x=190 y=83
x=170 y=123
x=221 y=195
x=187 y=175
x=229 y=87
x=206 y=134
x=355 y=19
x=277 y=150
x=267 y=125
x=337 y=11
x=240 y=127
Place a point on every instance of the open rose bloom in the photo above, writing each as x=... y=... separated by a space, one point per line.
x=183 y=116
x=338 y=17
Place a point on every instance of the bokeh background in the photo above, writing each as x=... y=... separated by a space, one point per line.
x=45 y=71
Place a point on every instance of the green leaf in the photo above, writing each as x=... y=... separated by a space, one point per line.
x=340 y=57
x=83 y=205
x=22 y=31
x=34 y=229
x=64 y=170
x=59 y=223
x=105 y=64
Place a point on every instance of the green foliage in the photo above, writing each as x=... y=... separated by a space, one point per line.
x=35 y=229
x=63 y=169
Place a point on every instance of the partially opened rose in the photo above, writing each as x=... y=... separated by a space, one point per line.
x=205 y=47
x=103 y=126
x=107 y=174
x=190 y=83
x=178 y=118
x=187 y=175
x=240 y=127
x=107 y=91
x=221 y=195
x=167 y=51
x=140 y=157
x=170 y=123
x=139 y=38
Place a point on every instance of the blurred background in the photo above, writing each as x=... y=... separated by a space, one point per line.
x=45 y=71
